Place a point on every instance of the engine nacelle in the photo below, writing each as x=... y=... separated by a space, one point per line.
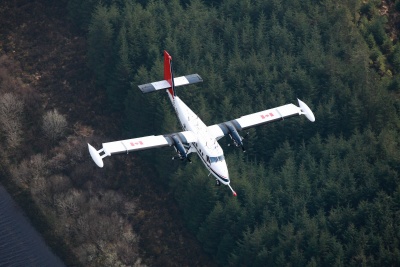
x=234 y=135
x=177 y=143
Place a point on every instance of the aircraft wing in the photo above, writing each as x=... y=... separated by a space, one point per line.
x=267 y=116
x=141 y=143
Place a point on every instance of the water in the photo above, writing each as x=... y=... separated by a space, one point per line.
x=20 y=243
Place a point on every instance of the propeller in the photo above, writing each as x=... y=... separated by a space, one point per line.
x=180 y=148
x=238 y=140
x=182 y=156
x=243 y=138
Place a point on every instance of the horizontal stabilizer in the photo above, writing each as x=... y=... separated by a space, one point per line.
x=164 y=84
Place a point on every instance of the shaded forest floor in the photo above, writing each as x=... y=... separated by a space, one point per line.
x=52 y=55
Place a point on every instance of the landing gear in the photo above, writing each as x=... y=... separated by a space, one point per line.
x=218 y=183
x=182 y=158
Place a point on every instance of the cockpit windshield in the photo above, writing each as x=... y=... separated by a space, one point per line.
x=216 y=159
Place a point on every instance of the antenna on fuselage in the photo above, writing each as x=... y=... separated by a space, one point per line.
x=233 y=192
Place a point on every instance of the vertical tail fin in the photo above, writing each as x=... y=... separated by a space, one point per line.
x=168 y=74
x=169 y=81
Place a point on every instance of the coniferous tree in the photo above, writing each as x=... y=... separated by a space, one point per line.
x=101 y=43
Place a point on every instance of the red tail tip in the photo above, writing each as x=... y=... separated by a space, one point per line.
x=234 y=194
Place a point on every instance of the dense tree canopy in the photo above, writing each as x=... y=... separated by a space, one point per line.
x=317 y=194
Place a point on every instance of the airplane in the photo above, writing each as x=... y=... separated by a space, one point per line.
x=196 y=136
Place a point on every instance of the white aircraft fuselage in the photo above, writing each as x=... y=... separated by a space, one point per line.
x=207 y=147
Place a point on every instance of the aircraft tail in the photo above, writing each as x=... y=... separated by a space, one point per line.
x=170 y=82
x=168 y=74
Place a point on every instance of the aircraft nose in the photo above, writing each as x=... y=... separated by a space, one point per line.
x=221 y=170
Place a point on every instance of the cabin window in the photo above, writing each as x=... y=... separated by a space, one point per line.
x=216 y=159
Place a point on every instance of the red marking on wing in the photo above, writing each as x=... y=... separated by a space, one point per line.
x=267 y=115
x=136 y=143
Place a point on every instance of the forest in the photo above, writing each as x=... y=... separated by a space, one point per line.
x=309 y=194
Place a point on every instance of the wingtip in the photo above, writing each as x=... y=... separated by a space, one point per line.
x=306 y=110
x=95 y=156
